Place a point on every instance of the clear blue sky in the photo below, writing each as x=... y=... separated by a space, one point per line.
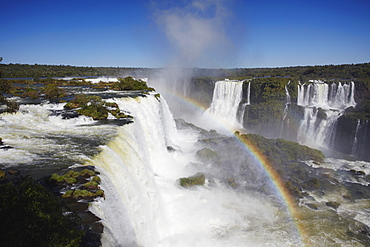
x=200 y=33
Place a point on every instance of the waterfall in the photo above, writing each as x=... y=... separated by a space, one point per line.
x=323 y=105
x=325 y=96
x=285 y=113
x=131 y=211
x=249 y=93
x=145 y=206
x=354 y=146
x=227 y=96
x=315 y=129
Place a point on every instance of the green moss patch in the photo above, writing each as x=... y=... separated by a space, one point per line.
x=95 y=107
x=197 y=179
x=85 y=184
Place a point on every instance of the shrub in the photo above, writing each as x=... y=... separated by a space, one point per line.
x=32 y=93
x=129 y=83
x=93 y=106
x=52 y=91
x=32 y=216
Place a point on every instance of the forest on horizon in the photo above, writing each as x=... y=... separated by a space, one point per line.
x=344 y=71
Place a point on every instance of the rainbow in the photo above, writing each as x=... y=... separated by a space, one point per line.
x=263 y=162
x=278 y=183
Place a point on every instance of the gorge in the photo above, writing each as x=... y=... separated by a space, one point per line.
x=256 y=191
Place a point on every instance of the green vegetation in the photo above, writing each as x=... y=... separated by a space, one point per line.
x=52 y=91
x=264 y=89
x=36 y=71
x=197 y=179
x=129 y=83
x=344 y=71
x=11 y=106
x=31 y=216
x=93 y=106
x=85 y=173
x=6 y=86
x=85 y=184
x=31 y=92
x=264 y=112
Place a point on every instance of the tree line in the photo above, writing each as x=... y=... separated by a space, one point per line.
x=344 y=71
x=37 y=71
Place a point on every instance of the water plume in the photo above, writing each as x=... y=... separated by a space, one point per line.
x=196 y=31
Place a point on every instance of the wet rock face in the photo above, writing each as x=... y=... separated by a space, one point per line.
x=352 y=136
x=362 y=91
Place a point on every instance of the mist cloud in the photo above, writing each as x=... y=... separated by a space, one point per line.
x=197 y=31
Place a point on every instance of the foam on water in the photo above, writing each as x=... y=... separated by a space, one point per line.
x=34 y=133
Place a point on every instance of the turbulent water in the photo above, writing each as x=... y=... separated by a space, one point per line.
x=140 y=164
x=140 y=179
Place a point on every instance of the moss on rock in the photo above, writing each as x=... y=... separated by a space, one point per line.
x=87 y=173
x=197 y=179
x=95 y=107
x=91 y=185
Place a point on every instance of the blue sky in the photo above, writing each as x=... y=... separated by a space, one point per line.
x=197 y=33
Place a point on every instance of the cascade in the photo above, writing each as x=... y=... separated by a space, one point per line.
x=315 y=129
x=354 y=146
x=227 y=96
x=249 y=93
x=323 y=105
x=131 y=211
x=285 y=113
x=241 y=112
x=144 y=205
x=325 y=96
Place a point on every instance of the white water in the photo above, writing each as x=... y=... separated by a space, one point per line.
x=314 y=131
x=325 y=96
x=145 y=206
x=227 y=96
x=285 y=112
x=332 y=99
x=242 y=108
x=34 y=131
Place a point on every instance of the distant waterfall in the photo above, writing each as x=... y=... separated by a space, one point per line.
x=315 y=129
x=241 y=112
x=249 y=94
x=227 y=96
x=324 y=104
x=285 y=113
x=355 y=141
x=131 y=212
x=320 y=94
